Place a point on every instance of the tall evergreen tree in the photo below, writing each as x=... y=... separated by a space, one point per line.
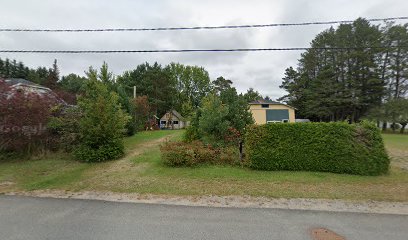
x=338 y=84
x=53 y=76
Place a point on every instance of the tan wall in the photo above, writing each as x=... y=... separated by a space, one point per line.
x=259 y=113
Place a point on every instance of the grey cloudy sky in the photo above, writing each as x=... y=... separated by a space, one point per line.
x=261 y=70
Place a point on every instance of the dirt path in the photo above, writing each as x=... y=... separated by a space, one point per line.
x=126 y=162
x=109 y=174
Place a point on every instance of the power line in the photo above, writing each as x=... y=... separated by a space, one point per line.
x=195 y=50
x=198 y=27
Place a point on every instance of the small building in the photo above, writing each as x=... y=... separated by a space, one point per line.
x=28 y=87
x=172 y=120
x=266 y=111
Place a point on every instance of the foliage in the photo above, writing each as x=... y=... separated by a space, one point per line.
x=222 y=118
x=394 y=68
x=127 y=106
x=13 y=69
x=192 y=132
x=238 y=115
x=23 y=119
x=252 y=95
x=182 y=154
x=213 y=124
x=66 y=89
x=153 y=81
x=192 y=83
x=64 y=126
x=72 y=83
x=142 y=112
x=53 y=76
x=58 y=171
x=109 y=80
x=174 y=86
x=398 y=111
x=102 y=125
x=336 y=84
x=394 y=111
x=221 y=85
x=328 y=147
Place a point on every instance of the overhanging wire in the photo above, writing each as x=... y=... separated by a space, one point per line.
x=199 y=50
x=198 y=27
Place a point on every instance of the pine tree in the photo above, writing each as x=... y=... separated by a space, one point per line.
x=53 y=76
x=336 y=84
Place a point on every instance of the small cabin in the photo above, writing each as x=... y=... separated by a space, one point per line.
x=172 y=120
x=265 y=111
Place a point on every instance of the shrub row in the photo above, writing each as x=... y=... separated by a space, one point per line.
x=328 y=147
x=182 y=154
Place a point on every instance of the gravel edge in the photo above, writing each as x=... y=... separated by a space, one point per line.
x=400 y=208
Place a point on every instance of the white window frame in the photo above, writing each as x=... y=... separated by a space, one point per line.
x=274 y=122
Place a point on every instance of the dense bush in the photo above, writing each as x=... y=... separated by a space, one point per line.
x=221 y=120
x=102 y=124
x=329 y=147
x=107 y=151
x=64 y=127
x=213 y=124
x=23 y=120
x=178 y=154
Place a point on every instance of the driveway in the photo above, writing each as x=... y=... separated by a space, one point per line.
x=45 y=218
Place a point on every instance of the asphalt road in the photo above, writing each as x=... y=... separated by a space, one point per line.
x=42 y=218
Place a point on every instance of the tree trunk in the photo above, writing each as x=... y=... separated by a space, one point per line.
x=384 y=126
x=241 y=158
x=403 y=127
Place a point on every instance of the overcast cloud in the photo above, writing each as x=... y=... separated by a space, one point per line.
x=261 y=70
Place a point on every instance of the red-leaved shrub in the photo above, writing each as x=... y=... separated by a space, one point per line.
x=188 y=154
x=23 y=119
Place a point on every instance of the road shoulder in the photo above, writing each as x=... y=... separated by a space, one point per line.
x=400 y=208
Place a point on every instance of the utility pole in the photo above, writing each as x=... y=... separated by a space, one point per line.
x=134 y=91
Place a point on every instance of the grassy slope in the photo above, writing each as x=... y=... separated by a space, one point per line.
x=58 y=170
x=145 y=173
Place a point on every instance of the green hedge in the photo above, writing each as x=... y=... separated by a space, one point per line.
x=111 y=150
x=328 y=147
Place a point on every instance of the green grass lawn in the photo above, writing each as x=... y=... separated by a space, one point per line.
x=396 y=141
x=142 y=171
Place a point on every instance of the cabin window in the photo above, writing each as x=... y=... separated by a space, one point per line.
x=175 y=122
x=277 y=115
x=163 y=122
x=265 y=105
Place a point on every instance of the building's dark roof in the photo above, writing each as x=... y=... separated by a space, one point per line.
x=44 y=90
x=263 y=101
x=15 y=81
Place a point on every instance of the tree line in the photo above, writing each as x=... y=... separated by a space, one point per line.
x=174 y=86
x=101 y=107
x=364 y=68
